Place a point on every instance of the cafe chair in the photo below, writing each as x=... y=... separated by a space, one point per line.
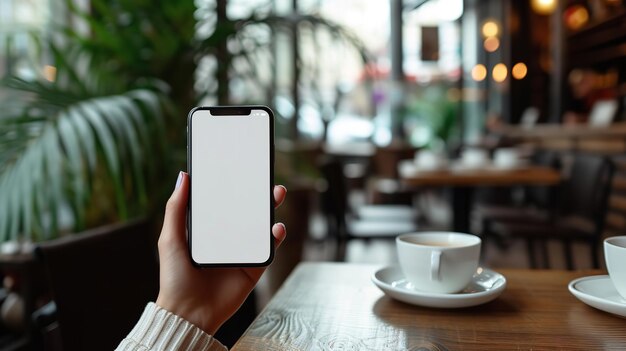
x=538 y=203
x=580 y=213
x=100 y=281
x=385 y=191
x=344 y=225
x=383 y=185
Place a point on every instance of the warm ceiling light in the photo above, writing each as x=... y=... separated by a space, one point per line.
x=576 y=16
x=499 y=72
x=543 y=7
x=491 y=44
x=479 y=72
x=50 y=73
x=519 y=71
x=490 y=29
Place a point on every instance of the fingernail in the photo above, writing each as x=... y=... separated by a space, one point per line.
x=179 y=180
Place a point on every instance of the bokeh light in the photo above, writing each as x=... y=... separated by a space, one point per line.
x=519 y=71
x=499 y=72
x=543 y=7
x=490 y=29
x=491 y=44
x=479 y=72
x=50 y=73
x=576 y=17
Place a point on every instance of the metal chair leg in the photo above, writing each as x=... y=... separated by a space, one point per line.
x=340 y=250
x=595 y=259
x=530 y=250
x=567 y=251
x=544 y=254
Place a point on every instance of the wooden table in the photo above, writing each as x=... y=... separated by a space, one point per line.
x=463 y=183
x=334 y=306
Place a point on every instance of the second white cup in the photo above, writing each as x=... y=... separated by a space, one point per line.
x=438 y=262
x=615 y=256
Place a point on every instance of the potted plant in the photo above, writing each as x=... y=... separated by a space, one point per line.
x=92 y=145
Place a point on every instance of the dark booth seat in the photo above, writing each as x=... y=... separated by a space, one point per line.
x=101 y=280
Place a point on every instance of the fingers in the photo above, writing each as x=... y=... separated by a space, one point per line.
x=174 y=223
x=279 y=195
x=279 y=231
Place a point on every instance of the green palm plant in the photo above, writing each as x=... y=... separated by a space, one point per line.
x=88 y=147
x=98 y=136
x=61 y=138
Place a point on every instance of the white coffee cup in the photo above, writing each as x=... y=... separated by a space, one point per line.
x=428 y=160
x=615 y=256
x=438 y=262
x=474 y=157
x=506 y=158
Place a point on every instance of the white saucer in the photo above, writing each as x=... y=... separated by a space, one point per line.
x=521 y=164
x=598 y=291
x=460 y=166
x=485 y=286
x=408 y=168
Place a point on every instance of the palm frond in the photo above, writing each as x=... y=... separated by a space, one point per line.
x=59 y=150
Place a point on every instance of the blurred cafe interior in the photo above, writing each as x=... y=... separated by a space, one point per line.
x=505 y=119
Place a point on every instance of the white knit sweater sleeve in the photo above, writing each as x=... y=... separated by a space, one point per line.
x=161 y=330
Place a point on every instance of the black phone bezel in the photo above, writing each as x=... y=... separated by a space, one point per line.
x=231 y=111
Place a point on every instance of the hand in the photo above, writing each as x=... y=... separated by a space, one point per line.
x=204 y=297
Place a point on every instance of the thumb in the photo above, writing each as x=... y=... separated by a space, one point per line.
x=175 y=221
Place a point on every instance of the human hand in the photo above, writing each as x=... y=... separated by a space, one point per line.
x=204 y=297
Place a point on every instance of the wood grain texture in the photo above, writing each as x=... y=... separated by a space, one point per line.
x=617 y=129
x=604 y=146
x=616 y=221
x=557 y=144
x=619 y=181
x=532 y=175
x=334 y=306
x=617 y=203
x=610 y=140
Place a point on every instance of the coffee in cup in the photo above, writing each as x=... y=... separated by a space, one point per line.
x=438 y=262
x=615 y=256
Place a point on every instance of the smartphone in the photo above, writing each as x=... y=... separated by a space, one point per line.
x=230 y=159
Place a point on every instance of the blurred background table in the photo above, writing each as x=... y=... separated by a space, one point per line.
x=331 y=306
x=463 y=182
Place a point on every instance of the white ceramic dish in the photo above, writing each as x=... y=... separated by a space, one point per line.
x=598 y=291
x=486 y=285
x=408 y=168
x=460 y=166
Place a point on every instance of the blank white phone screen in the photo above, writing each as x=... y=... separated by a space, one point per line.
x=230 y=188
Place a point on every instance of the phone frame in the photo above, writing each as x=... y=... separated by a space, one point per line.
x=239 y=110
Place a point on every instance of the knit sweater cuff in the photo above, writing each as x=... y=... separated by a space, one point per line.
x=162 y=330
